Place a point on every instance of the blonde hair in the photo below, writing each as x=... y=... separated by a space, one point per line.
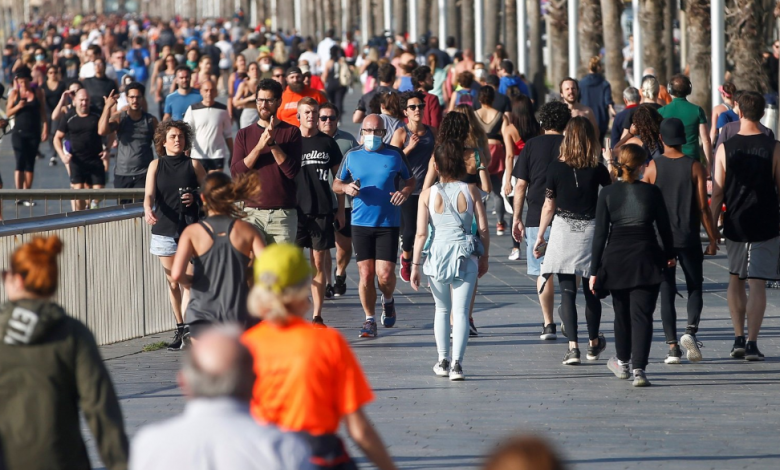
x=278 y=308
x=628 y=162
x=580 y=147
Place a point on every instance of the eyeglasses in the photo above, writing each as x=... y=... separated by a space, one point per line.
x=378 y=132
x=265 y=100
x=416 y=106
x=329 y=118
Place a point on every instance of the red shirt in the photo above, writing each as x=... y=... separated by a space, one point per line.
x=277 y=181
x=433 y=110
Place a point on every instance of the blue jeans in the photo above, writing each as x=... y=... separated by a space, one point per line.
x=455 y=298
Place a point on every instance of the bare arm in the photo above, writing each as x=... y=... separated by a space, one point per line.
x=44 y=122
x=11 y=108
x=366 y=437
x=518 y=229
x=430 y=176
x=547 y=214
x=420 y=237
x=357 y=116
x=716 y=202
x=650 y=173
x=57 y=142
x=484 y=230
x=700 y=183
x=184 y=253
x=151 y=178
x=707 y=144
x=714 y=126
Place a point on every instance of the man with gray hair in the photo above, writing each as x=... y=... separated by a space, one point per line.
x=216 y=430
x=648 y=97
x=631 y=99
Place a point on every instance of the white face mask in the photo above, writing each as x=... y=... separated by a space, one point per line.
x=265 y=67
x=67 y=52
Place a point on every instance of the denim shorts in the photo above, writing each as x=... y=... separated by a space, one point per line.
x=534 y=265
x=162 y=245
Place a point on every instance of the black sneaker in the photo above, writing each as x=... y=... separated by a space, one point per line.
x=548 y=332
x=572 y=357
x=339 y=284
x=178 y=340
x=563 y=328
x=595 y=351
x=472 y=328
x=674 y=356
x=752 y=353
x=317 y=321
x=328 y=291
x=738 y=350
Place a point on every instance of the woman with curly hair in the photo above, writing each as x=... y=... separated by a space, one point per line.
x=170 y=205
x=644 y=131
x=573 y=183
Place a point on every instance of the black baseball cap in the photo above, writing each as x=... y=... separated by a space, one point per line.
x=673 y=132
x=293 y=70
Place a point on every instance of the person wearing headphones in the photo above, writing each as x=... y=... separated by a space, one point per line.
x=693 y=118
x=570 y=94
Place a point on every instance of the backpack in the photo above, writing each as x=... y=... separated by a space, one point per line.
x=464 y=97
x=344 y=73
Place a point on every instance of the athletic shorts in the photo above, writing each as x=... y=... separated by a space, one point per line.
x=379 y=243
x=754 y=260
x=346 y=230
x=211 y=164
x=91 y=173
x=534 y=265
x=316 y=232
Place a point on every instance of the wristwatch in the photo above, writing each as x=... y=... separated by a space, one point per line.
x=481 y=167
x=272 y=143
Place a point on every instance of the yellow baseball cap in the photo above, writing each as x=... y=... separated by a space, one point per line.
x=280 y=266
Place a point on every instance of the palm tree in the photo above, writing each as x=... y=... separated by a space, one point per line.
x=400 y=12
x=652 y=23
x=746 y=24
x=510 y=12
x=558 y=37
x=699 y=52
x=535 y=60
x=613 y=45
x=491 y=10
x=466 y=24
x=590 y=30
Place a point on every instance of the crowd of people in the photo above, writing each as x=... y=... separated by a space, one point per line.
x=268 y=174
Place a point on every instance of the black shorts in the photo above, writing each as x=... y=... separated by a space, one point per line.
x=379 y=243
x=346 y=230
x=198 y=327
x=211 y=164
x=130 y=182
x=316 y=232
x=91 y=173
x=25 y=147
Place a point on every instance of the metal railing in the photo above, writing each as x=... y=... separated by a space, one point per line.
x=107 y=277
x=16 y=203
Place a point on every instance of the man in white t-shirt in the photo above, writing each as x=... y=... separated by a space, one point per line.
x=323 y=49
x=212 y=129
x=311 y=57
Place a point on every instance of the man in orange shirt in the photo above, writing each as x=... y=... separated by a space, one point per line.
x=296 y=89
x=308 y=379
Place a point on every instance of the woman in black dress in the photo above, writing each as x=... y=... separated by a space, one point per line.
x=631 y=266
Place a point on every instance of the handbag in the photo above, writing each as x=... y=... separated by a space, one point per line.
x=473 y=243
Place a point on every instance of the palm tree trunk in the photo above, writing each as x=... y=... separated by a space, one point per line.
x=510 y=10
x=652 y=22
x=423 y=17
x=400 y=12
x=746 y=24
x=699 y=53
x=535 y=59
x=452 y=25
x=613 y=45
x=591 y=33
x=466 y=24
x=671 y=14
x=558 y=37
x=491 y=11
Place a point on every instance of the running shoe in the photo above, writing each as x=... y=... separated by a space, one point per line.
x=29 y=203
x=442 y=368
x=674 y=356
x=406 y=269
x=472 y=328
x=368 y=330
x=328 y=291
x=548 y=332
x=318 y=321
x=53 y=161
x=500 y=228
x=514 y=255
x=178 y=340
x=388 y=313
x=640 y=379
x=572 y=357
x=456 y=371
x=692 y=347
x=738 y=350
x=340 y=284
x=752 y=353
x=620 y=370
x=595 y=351
x=94 y=205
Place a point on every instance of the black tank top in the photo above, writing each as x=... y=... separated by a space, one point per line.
x=173 y=173
x=28 y=119
x=674 y=177
x=750 y=195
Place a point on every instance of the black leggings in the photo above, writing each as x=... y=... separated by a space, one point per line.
x=691 y=259
x=336 y=96
x=568 y=283
x=634 y=323
x=25 y=145
x=409 y=222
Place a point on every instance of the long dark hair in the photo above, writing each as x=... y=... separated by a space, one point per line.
x=448 y=156
x=523 y=119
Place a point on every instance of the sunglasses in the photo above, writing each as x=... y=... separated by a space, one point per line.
x=328 y=118
x=416 y=106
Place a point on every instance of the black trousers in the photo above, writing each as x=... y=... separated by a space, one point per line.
x=336 y=96
x=409 y=222
x=691 y=259
x=568 y=284
x=634 y=323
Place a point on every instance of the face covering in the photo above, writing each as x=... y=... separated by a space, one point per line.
x=365 y=51
x=372 y=142
x=40 y=57
x=265 y=67
x=179 y=58
x=192 y=64
x=67 y=52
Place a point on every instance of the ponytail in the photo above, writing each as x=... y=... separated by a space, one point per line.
x=220 y=193
x=630 y=158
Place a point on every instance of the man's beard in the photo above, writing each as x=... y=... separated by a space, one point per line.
x=296 y=87
x=428 y=86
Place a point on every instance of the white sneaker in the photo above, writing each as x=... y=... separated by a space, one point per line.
x=692 y=347
x=442 y=368
x=514 y=255
x=94 y=205
x=456 y=372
